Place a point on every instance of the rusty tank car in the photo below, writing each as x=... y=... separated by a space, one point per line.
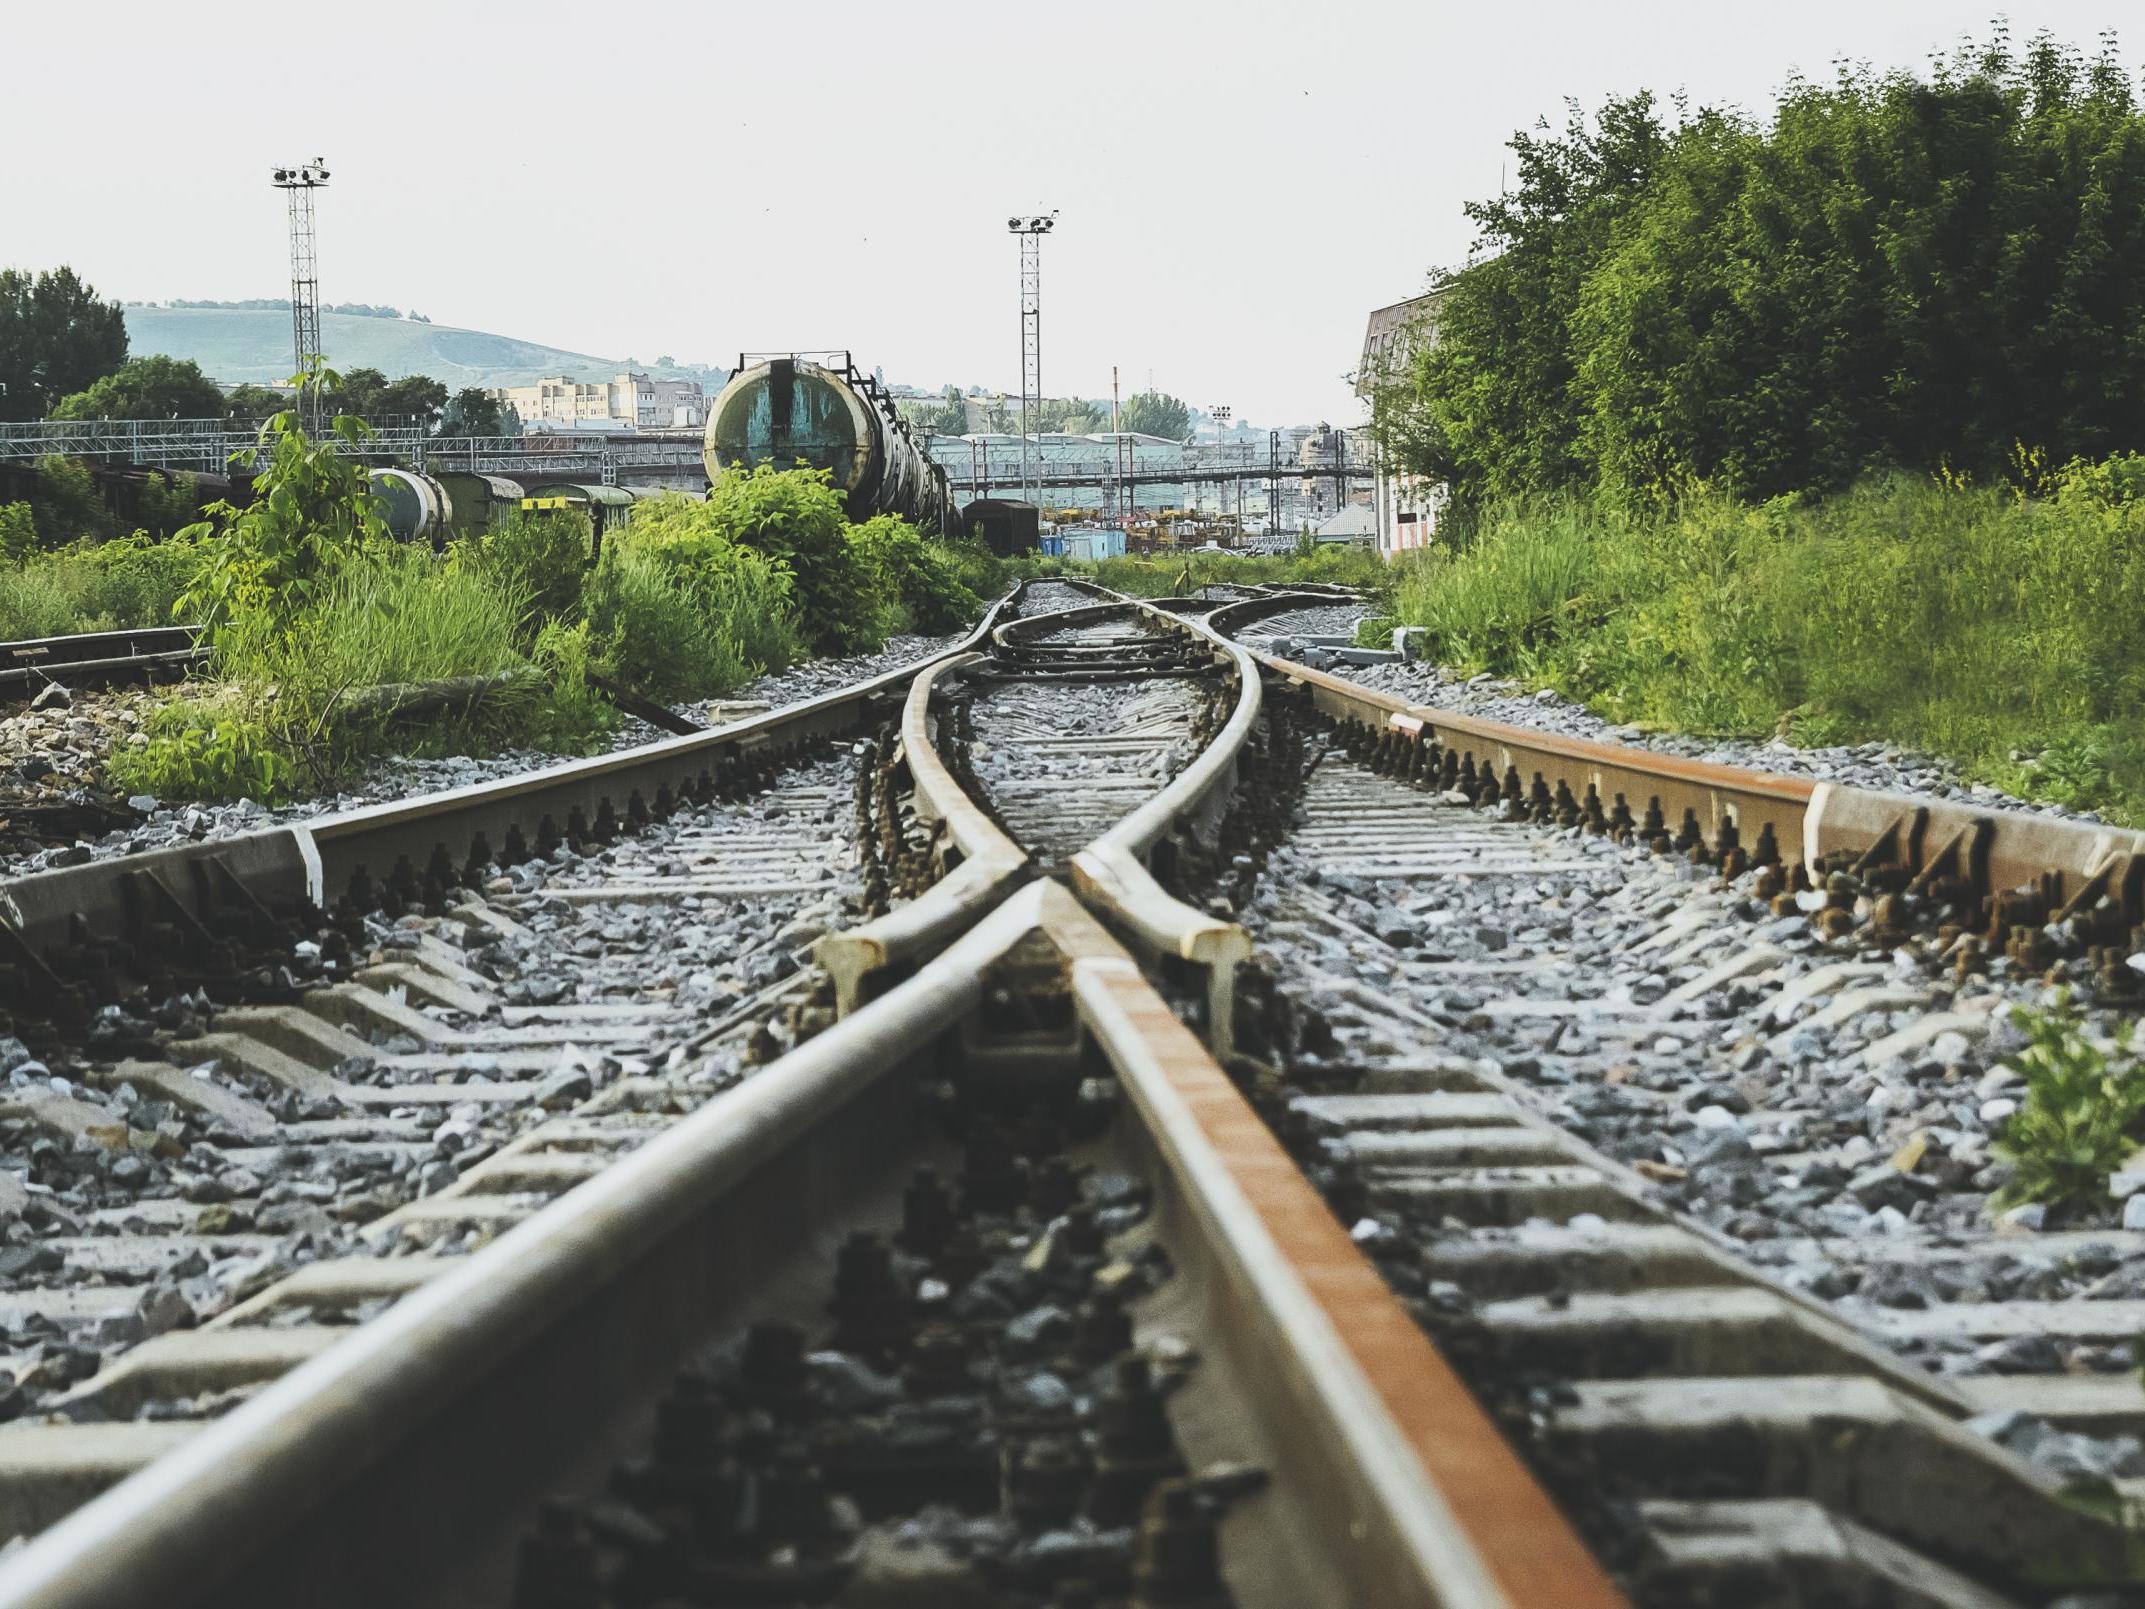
x=788 y=409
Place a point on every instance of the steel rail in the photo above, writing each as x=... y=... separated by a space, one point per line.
x=110 y=914
x=1113 y=873
x=514 y=1360
x=1407 y=1493
x=1806 y=820
x=97 y=656
x=979 y=867
x=419 y=1437
x=421 y=1434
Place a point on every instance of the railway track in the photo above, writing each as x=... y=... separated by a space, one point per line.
x=98 y=658
x=878 y=1064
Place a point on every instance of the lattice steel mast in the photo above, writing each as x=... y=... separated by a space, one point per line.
x=1031 y=232
x=299 y=183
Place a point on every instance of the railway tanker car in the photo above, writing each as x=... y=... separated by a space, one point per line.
x=787 y=410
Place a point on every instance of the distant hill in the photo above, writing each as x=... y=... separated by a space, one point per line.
x=235 y=345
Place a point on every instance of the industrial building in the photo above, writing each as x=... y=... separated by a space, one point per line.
x=629 y=401
x=1406 y=505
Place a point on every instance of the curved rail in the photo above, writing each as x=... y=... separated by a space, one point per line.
x=1113 y=875
x=125 y=914
x=1797 y=820
x=392 y=1467
x=984 y=867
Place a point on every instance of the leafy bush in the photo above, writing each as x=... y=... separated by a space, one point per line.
x=214 y=748
x=18 y=532
x=168 y=503
x=794 y=516
x=678 y=611
x=915 y=584
x=312 y=505
x=575 y=715
x=2082 y=1117
x=66 y=505
x=541 y=554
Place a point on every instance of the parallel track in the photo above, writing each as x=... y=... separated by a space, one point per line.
x=98 y=658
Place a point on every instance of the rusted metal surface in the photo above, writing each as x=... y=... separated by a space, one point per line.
x=978 y=864
x=1733 y=816
x=1418 y=1499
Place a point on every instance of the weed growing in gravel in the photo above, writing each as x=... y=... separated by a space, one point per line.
x=917 y=582
x=2082 y=1117
x=397 y=651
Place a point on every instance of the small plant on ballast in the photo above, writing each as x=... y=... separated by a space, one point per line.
x=2082 y=1116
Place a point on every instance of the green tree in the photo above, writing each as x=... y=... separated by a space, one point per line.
x=952 y=417
x=67 y=504
x=1156 y=413
x=1071 y=415
x=254 y=402
x=369 y=395
x=154 y=387
x=359 y=391
x=416 y=398
x=56 y=338
x=473 y=411
x=1893 y=270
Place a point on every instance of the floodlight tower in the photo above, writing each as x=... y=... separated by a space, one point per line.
x=1221 y=413
x=1031 y=232
x=299 y=183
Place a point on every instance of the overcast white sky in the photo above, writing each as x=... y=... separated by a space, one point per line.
x=1238 y=184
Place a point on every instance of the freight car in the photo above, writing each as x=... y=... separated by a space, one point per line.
x=1005 y=526
x=479 y=501
x=786 y=409
x=417 y=507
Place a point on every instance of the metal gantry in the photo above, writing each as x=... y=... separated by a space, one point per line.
x=1031 y=232
x=299 y=183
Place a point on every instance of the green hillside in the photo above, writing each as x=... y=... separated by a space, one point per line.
x=233 y=345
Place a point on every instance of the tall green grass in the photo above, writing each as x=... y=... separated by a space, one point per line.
x=678 y=611
x=297 y=703
x=1159 y=575
x=2002 y=629
x=94 y=586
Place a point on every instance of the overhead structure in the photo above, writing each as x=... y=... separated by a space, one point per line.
x=785 y=409
x=1031 y=232
x=299 y=183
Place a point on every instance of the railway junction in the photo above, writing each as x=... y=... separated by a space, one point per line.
x=1110 y=1114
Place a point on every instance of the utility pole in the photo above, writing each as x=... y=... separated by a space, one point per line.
x=1031 y=232
x=298 y=184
